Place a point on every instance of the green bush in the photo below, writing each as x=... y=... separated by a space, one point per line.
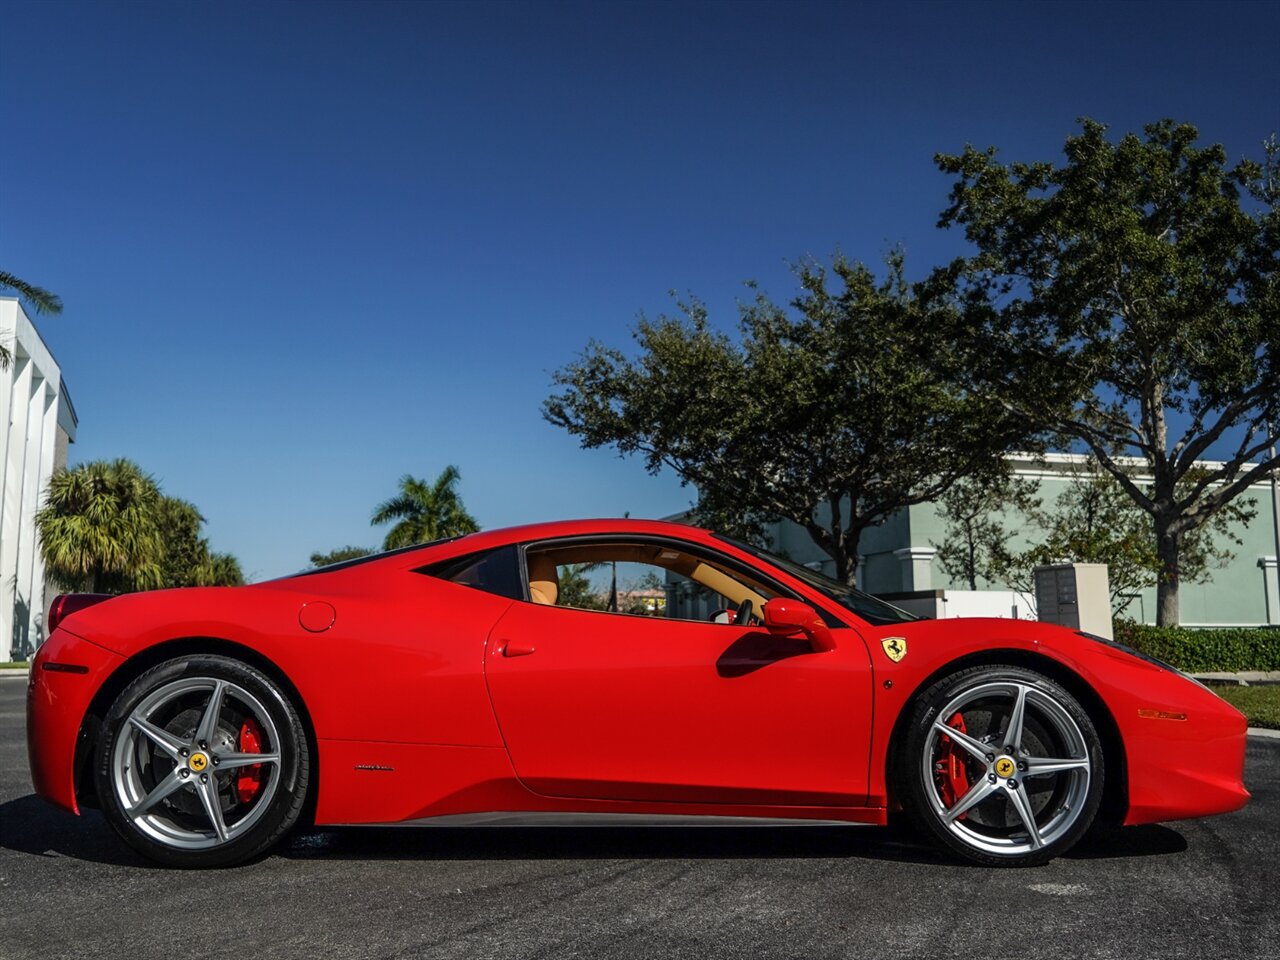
x=1204 y=651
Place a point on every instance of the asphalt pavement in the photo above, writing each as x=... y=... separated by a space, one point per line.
x=69 y=888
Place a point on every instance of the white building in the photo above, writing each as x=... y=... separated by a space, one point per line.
x=39 y=422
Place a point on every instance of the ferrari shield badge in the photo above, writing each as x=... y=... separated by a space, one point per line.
x=895 y=648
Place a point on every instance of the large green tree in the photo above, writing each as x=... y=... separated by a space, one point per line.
x=1127 y=299
x=98 y=528
x=834 y=414
x=186 y=560
x=423 y=511
x=182 y=548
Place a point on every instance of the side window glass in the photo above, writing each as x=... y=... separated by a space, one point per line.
x=641 y=578
x=632 y=588
x=493 y=571
x=690 y=600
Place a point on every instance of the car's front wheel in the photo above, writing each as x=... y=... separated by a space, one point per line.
x=1001 y=765
x=203 y=762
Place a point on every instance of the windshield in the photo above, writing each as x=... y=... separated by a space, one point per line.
x=863 y=604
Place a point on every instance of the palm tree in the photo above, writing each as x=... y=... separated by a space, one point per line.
x=99 y=529
x=218 y=570
x=41 y=300
x=425 y=511
x=576 y=589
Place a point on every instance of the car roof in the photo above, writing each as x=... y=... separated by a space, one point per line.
x=547 y=530
x=556 y=529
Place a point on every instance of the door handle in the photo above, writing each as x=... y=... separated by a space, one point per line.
x=513 y=648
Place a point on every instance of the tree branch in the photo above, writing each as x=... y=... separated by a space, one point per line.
x=1210 y=504
x=1195 y=449
x=1107 y=463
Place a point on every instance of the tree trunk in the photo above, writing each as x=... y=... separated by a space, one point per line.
x=840 y=544
x=846 y=566
x=1167 y=548
x=843 y=550
x=848 y=546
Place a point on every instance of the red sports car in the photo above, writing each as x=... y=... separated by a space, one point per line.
x=482 y=679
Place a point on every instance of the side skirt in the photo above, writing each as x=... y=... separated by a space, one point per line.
x=538 y=818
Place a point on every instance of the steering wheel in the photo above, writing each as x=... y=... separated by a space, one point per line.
x=742 y=616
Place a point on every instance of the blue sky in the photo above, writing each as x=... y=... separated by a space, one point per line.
x=306 y=248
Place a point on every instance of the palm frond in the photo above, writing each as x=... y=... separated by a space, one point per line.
x=40 y=299
x=396 y=508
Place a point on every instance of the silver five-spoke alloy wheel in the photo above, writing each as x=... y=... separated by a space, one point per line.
x=175 y=764
x=1008 y=767
x=1019 y=799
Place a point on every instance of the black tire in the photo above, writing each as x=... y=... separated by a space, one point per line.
x=937 y=774
x=150 y=753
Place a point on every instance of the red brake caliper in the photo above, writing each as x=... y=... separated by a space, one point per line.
x=249 y=782
x=952 y=779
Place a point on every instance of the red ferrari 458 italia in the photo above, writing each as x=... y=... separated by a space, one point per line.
x=475 y=679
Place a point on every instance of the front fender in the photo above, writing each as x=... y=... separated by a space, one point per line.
x=1183 y=746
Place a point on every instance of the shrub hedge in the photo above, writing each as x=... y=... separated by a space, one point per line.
x=1204 y=651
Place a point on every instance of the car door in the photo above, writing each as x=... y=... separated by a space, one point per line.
x=612 y=706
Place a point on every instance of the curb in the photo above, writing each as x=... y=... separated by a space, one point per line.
x=6 y=674
x=1243 y=678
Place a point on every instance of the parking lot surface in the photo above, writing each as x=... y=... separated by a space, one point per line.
x=69 y=888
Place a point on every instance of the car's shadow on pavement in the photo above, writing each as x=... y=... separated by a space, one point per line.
x=896 y=844
x=32 y=826
x=1115 y=843
x=610 y=843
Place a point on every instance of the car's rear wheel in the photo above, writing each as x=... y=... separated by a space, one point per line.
x=1001 y=765
x=203 y=762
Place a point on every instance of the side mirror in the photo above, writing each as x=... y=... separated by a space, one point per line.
x=786 y=618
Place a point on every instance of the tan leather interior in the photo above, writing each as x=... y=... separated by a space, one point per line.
x=732 y=590
x=544 y=585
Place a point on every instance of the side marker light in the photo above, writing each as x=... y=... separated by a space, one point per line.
x=66 y=668
x=1161 y=715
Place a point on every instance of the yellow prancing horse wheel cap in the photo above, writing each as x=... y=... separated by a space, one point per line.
x=1005 y=767
x=198 y=762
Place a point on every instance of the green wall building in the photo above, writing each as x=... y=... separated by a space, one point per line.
x=899 y=562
